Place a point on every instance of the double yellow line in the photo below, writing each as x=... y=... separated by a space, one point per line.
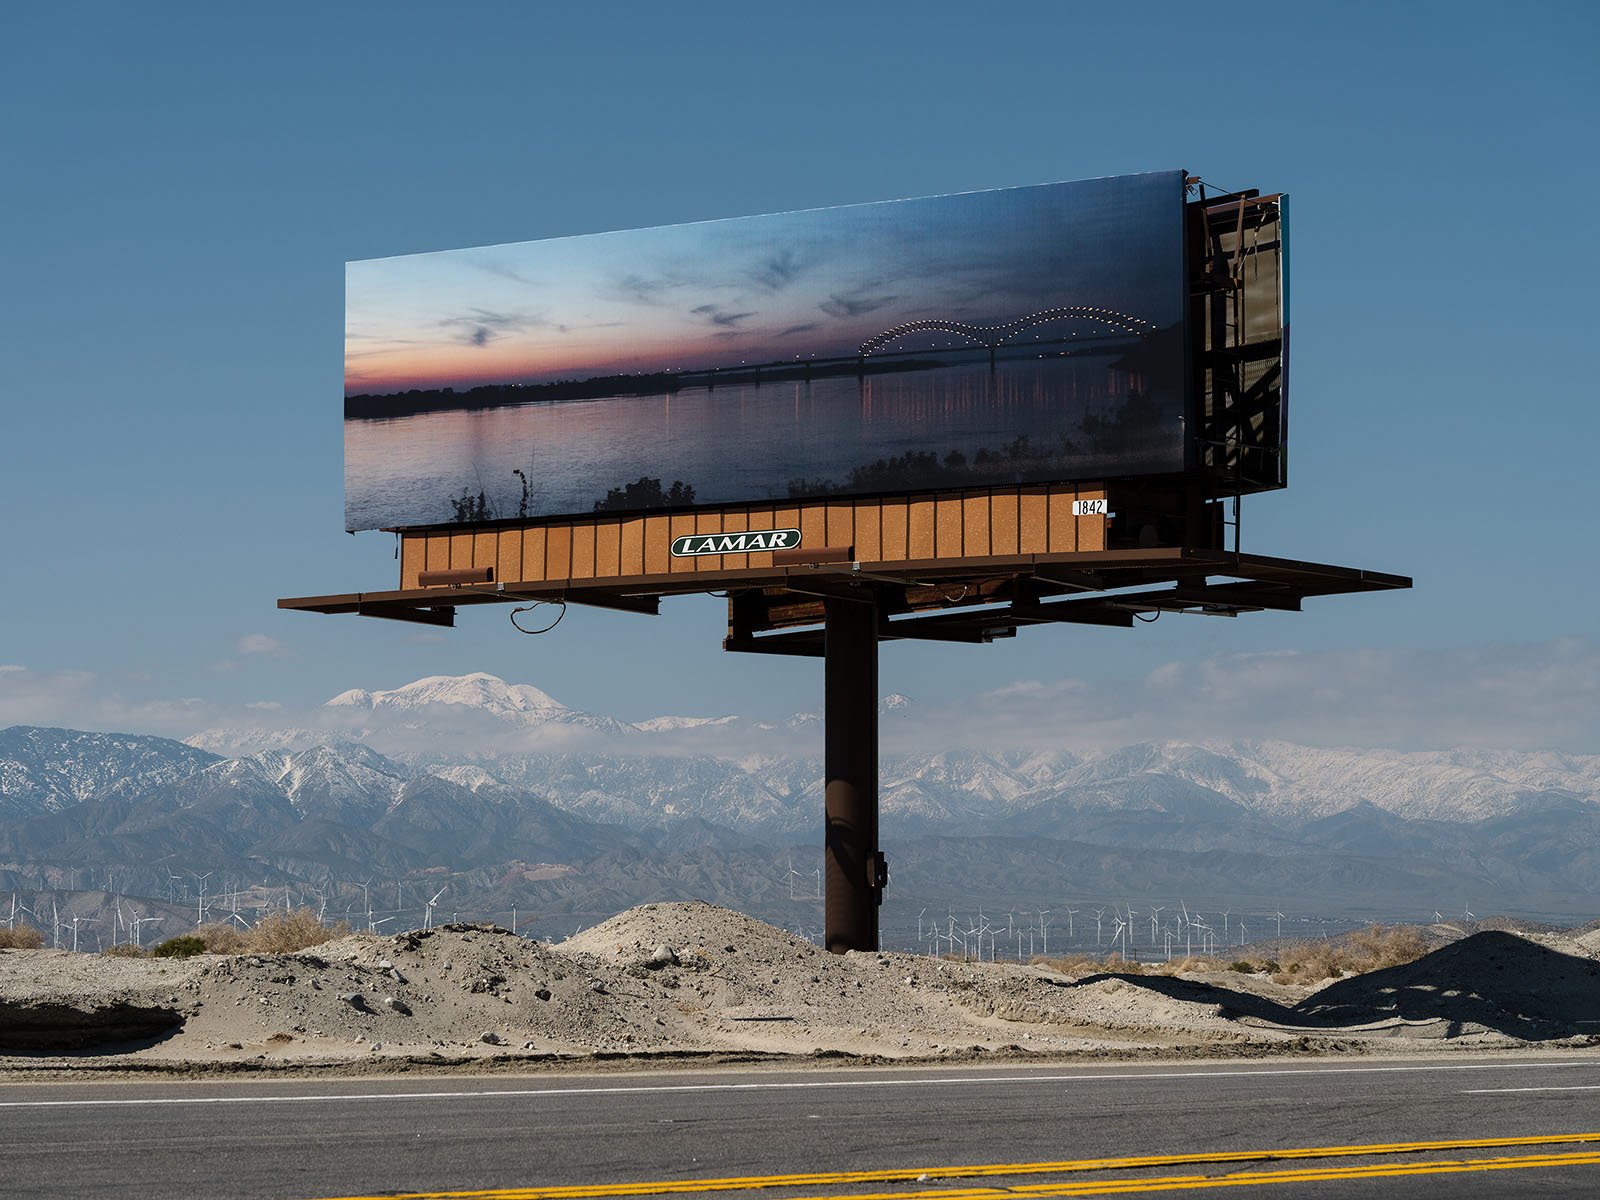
x=1093 y=1187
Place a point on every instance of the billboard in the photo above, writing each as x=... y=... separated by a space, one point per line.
x=1024 y=335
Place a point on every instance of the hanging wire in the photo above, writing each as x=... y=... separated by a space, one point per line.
x=530 y=608
x=1154 y=617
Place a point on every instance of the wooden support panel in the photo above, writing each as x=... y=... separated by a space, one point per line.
x=975 y=523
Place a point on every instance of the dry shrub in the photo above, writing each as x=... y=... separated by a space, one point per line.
x=220 y=937
x=1369 y=949
x=1190 y=965
x=284 y=933
x=1376 y=947
x=122 y=950
x=21 y=937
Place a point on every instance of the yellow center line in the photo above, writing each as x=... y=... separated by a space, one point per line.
x=987 y=1170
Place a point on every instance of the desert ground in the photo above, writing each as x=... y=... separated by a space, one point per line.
x=684 y=982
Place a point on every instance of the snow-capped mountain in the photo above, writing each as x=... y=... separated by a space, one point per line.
x=489 y=782
x=678 y=724
x=45 y=770
x=480 y=690
x=460 y=712
x=451 y=704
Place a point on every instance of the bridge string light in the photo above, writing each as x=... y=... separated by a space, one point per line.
x=992 y=336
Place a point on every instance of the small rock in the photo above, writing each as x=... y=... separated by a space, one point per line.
x=385 y=965
x=542 y=993
x=376 y=1046
x=353 y=999
x=662 y=956
x=489 y=1038
x=597 y=987
x=398 y=1005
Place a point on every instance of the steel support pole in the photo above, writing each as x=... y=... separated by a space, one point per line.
x=855 y=869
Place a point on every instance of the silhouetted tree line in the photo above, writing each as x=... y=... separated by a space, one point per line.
x=373 y=406
x=646 y=493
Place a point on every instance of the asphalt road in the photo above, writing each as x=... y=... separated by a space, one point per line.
x=253 y=1137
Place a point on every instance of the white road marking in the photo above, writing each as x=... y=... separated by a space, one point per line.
x=792 y=1085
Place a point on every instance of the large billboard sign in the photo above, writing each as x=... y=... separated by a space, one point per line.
x=1026 y=335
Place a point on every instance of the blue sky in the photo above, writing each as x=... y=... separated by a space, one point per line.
x=185 y=182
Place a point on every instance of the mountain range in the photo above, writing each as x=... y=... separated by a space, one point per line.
x=512 y=798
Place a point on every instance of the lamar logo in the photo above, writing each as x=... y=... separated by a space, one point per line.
x=735 y=543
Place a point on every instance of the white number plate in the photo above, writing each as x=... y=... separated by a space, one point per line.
x=1088 y=508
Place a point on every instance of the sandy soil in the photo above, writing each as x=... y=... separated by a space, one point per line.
x=675 y=981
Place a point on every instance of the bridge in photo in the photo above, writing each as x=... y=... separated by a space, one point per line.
x=1119 y=327
x=990 y=337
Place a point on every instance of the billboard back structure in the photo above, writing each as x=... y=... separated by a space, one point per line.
x=1013 y=337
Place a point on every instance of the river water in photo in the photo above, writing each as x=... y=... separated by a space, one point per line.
x=735 y=444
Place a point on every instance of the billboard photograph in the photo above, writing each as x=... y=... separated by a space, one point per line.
x=1022 y=335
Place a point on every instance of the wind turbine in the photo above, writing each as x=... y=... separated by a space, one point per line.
x=1098 y=914
x=137 y=924
x=1279 y=915
x=200 y=911
x=1153 y=926
x=428 y=914
x=1070 y=912
x=76 y=921
x=1044 y=930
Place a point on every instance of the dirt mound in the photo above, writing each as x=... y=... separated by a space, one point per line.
x=692 y=930
x=458 y=988
x=697 y=979
x=1492 y=981
x=55 y=1000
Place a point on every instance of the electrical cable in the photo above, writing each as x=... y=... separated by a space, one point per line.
x=530 y=608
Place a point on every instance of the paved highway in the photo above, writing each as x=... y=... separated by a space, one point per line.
x=1508 y=1126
